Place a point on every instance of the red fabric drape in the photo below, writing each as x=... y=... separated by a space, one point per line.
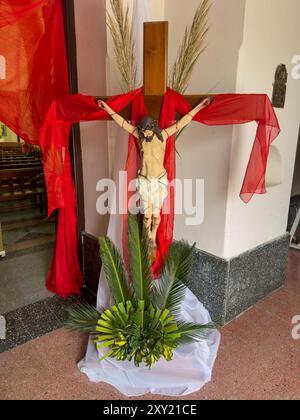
x=225 y=109
x=240 y=109
x=32 y=50
x=32 y=44
x=64 y=278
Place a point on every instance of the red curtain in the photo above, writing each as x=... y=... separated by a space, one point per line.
x=34 y=102
x=32 y=45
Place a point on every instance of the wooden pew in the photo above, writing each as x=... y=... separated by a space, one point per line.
x=22 y=189
x=17 y=149
x=19 y=159
x=12 y=166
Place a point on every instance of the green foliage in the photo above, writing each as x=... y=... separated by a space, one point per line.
x=191 y=332
x=137 y=334
x=82 y=318
x=141 y=326
x=140 y=264
x=170 y=290
x=114 y=269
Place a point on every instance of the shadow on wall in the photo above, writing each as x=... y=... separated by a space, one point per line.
x=296 y=181
x=274 y=176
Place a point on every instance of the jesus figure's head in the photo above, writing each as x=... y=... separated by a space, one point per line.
x=147 y=129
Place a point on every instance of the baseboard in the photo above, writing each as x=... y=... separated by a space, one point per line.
x=227 y=288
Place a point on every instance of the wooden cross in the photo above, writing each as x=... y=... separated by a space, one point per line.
x=156 y=70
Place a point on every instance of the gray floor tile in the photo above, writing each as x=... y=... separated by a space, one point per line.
x=16 y=333
x=23 y=279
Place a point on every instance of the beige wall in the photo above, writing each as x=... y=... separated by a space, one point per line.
x=263 y=50
x=91 y=57
x=205 y=151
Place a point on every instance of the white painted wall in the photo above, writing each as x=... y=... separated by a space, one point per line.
x=271 y=37
x=205 y=151
x=91 y=61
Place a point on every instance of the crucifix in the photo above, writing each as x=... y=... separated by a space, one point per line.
x=152 y=178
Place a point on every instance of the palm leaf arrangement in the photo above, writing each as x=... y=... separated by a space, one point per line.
x=144 y=324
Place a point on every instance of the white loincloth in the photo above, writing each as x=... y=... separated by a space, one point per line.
x=152 y=191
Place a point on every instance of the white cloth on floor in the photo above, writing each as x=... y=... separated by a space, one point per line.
x=190 y=369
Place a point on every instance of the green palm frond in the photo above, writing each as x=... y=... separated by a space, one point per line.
x=179 y=259
x=191 y=332
x=140 y=264
x=169 y=291
x=83 y=318
x=114 y=268
x=190 y=50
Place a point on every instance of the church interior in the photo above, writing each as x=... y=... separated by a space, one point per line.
x=246 y=261
x=27 y=237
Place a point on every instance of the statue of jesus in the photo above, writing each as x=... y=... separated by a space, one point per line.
x=152 y=178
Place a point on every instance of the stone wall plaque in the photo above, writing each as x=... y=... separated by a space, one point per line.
x=279 y=86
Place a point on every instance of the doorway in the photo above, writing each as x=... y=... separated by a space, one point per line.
x=27 y=237
x=294 y=212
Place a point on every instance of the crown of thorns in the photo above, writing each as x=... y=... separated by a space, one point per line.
x=148 y=123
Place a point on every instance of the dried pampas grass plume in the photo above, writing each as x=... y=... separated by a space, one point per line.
x=121 y=30
x=190 y=50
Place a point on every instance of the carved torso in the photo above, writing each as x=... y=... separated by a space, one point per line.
x=153 y=156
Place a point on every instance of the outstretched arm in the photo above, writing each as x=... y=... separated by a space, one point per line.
x=119 y=120
x=168 y=132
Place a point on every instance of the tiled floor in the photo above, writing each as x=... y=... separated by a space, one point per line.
x=258 y=359
x=32 y=321
x=23 y=277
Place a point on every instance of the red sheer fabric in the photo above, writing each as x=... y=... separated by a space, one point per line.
x=225 y=109
x=32 y=45
x=14 y=10
x=64 y=277
x=241 y=109
x=34 y=73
